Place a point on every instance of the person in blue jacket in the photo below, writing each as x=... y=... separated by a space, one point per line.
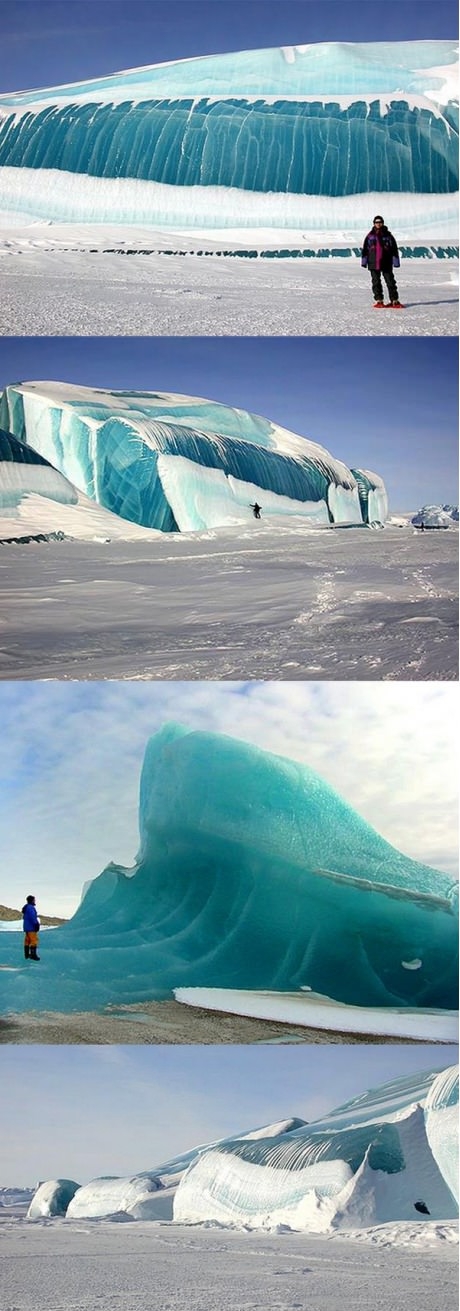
x=31 y=925
x=380 y=255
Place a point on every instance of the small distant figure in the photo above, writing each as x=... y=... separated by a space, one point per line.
x=422 y=1207
x=422 y=527
x=31 y=926
x=256 y=510
x=380 y=255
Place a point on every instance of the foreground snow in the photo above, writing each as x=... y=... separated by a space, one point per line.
x=141 y=1266
x=114 y=283
x=256 y=602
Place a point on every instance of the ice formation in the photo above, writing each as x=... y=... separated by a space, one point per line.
x=252 y=873
x=368 y=1162
x=435 y=516
x=52 y=1198
x=173 y=462
x=253 y=138
x=375 y=1159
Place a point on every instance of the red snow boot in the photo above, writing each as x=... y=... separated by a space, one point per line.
x=379 y=305
x=395 y=305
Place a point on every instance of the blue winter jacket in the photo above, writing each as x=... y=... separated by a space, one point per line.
x=31 y=921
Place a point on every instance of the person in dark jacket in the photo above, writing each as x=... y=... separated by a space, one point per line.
x=256 y=510
x=380 y=255
x=31 y=925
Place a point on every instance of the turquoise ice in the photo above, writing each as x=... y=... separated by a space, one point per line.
x=252 y=873
x=326 y=120
x=185 y=463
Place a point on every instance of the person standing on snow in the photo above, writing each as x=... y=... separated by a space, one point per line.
x=31 y=925
x=380 y=255
x=256 y=510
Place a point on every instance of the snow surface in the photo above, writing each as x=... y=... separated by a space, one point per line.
x=151 y=1267
x=313 y=1011
x=263 y=601
x=118 y=283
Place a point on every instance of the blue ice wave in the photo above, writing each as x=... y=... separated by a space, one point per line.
x=252 y=873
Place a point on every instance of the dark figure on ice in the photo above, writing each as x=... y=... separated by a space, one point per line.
x=31 y=925
x=256 y=510
x=422 y=1207
x=380 y=255
x=422 y=527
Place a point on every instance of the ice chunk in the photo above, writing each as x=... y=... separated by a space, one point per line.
x=173 y=462
x=52 y=1198
x=252 y=873
x=441 y=1114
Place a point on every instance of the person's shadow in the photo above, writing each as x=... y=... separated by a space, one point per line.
x=412 y=304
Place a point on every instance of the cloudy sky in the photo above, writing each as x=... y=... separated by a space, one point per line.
x=71 y=755
x=144 y=1105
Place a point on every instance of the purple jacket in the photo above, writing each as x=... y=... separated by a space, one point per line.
x=380 y=251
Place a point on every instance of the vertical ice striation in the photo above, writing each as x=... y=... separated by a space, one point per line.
x=441 y=1116
x=182 y=463
x=368 y=1162
x=330 y=120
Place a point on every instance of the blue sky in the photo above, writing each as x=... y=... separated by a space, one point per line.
x=45 y=42
x=389 y=405
x=143 y=1105
x=71 y=755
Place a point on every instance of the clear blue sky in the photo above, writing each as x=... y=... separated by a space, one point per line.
x=45 y=42
x=71 y=755
x=89 y=1111
x=390 y=405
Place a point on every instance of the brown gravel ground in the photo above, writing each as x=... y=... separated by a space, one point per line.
x=165 y=1022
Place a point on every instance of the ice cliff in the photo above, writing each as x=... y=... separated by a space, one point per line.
x=173 y=462
x=252 y=873
x=372 y=1160
x=239 y=140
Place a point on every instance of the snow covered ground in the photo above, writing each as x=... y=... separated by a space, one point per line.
x=71 y=281
x=267 y=601
x=82 y=1265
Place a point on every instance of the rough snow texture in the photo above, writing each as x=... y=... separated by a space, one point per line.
x=268 y=600
x=384 y=1267
x=252 y=873
x=328 y=120
x=181 y=463
x=309 y=1010
x=119 y=282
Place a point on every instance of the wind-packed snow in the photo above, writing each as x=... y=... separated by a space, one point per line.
x=275 y=599
x=322 y=121
x=158 y=1265
x=120 y=281
x=252 y=873
x=173 y=462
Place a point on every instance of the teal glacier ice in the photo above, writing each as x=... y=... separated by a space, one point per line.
x=228 y=141
x=370 y=1161
x=52 y=1198
x=182 y=463
x=252 y=873
x=22 y=468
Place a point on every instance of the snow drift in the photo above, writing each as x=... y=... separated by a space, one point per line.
x=252 y=873
x=180 y=463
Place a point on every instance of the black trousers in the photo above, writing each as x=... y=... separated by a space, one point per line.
x=376 y=275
